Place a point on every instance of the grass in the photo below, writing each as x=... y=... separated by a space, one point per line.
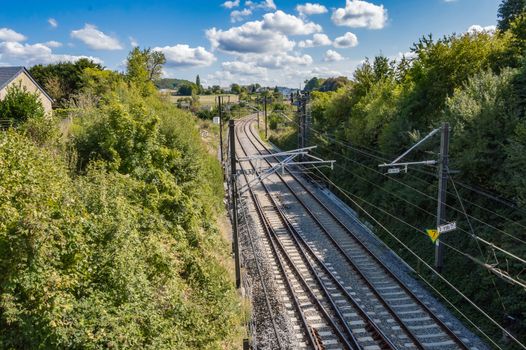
x=207 y=100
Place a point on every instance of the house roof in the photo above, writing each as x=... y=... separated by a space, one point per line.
x=8 y=74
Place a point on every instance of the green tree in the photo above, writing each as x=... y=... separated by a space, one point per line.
x=198 y=84
x=62 y=80
x=312 y=84
x=145 y=65
x=235 y=89
x=508 y=11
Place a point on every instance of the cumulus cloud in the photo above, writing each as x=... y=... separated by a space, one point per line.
x=332 y=56
x=265 y=5
x=244 y=68
x=31 y=54
x=317 y=40
x=360 y=14
x=474 y=29
x=7 y=34
x=52 y=22
x=95 y=39
x=311 y=9
x=184 y=55
x=250 y=37
x=53 y=43
x=239 y=15
x=346 y=41
x=278 y=60
x=231 y=4
x=289 y=24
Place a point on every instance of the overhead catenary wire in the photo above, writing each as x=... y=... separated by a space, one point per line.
x=332 y=138
x=430 y=197
x=495 y=323
x=477 y=238
x=492 y=269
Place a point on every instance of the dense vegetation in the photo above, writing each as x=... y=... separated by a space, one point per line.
x=476 y=82
x=108 y=235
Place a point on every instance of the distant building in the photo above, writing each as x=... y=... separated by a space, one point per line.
x=10 y=76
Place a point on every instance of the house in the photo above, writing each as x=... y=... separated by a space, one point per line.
x=19 y=75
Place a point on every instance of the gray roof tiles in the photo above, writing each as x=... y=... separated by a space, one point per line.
x=7 y=74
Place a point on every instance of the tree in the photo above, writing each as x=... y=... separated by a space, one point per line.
x=508 y=11
x=20 y=105
x=235 y=88
x=312 y=84
x=188 y=89
x=198 y=84
x=145 y=65
x=333 y=84
x=63 y=80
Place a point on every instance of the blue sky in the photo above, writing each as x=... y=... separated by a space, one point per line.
x=273 y=42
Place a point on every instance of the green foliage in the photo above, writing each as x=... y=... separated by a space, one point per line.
x=312 y=84
x=108 y=239
x=168 y=83
x=62 y=80
x=477 y=82
x=188 y=89
x=20 y=105
x=143 y=67
x=508 y=11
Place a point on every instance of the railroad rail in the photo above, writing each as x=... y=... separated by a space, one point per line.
x=339 y=293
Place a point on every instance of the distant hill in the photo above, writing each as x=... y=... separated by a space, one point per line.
x=170 y=83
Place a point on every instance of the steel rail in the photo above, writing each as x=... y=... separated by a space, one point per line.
x=376 y=333
x=382 y=265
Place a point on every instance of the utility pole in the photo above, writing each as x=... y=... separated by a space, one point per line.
x=397 y=167
x=266 y=127
x=442 y=193
x=233 y=188
x=220 y=108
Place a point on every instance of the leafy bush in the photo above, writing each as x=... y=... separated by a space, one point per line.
x=121 y=250
x=20 y=105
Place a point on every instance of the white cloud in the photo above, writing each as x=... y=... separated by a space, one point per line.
x=7 y=34
x=289 y=24
x=346 y=41
x=265 y=5
x=95 y=39
x=277 y=60
x=332 y=56
x=239 y=15
x=53 y=43
x=31 y=54
x=184 y=55
x=52 y=22
x=244 y=68
x=231 y=4
x=317 y=40
x=311 y=9
x=360 y=14
x=474 y=29
x=133 y=41
x=250 y=37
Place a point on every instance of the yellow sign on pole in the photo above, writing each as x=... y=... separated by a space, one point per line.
x=433 y=234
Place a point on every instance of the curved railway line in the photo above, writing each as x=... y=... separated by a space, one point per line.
x=338 y=294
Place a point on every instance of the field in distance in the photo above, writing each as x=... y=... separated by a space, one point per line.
x=207 y=100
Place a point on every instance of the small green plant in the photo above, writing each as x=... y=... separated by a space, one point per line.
x=20 y=105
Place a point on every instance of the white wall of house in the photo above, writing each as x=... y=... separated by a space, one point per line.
x=23 y=79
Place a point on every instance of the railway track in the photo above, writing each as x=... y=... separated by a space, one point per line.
x=338 y=293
